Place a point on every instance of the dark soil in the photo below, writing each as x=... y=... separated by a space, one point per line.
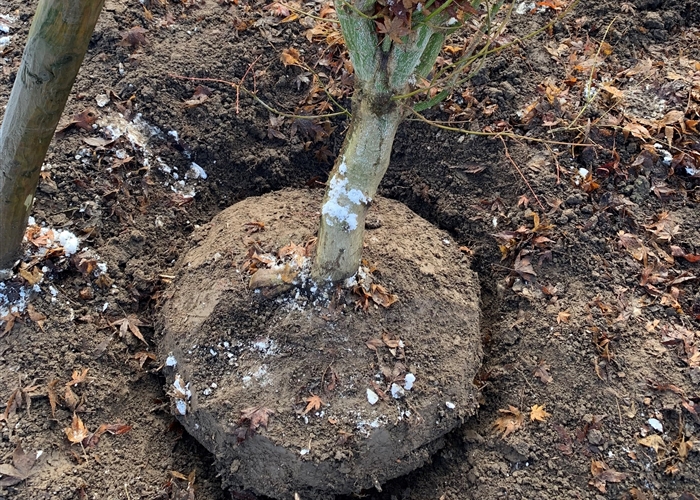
x=605 y=335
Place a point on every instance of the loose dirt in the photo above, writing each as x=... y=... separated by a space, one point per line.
x=598 y=322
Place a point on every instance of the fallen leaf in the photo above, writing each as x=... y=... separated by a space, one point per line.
x=77 y=431
x=130 y=324
x=201 y=94
x=133 y=37
x=71 y=399
x=314 y=404
x=677 y=251
x=524 y=267
x=393 y=28
x=143 y=356
x=290 y=57
x=115 y=429
x=78 y=377
x=53 y=396
x=36 y=316
x=255 y=417
x=538 y=413
x=563 y=317
x=637 y=130
x=381 y=296
x=653 y=441
x=31 y=277
x=510 y=421
x=21 y=468
x=602 y=475
x=542 y=372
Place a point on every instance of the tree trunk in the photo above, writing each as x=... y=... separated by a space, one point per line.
x=353 y=183
x=58 y=40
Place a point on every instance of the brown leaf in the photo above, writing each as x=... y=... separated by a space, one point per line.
x=78 y=377
x=655 y=442
x=133 y=37
x=255 y=417
x=524 y=268
x=77 y=431
x=602 y=475
x=31 y=277
x=201 y=94
x=314 y=404
x=143 y=356
x=130 y=324
x=53 y=396
x=290 y=57
x=394 y=28
x=510 y=421
x=542 y=373
x=21 y=468
x=36 y=316
x=563 y=317
x=538 y=413
x=381 y=296
x=677 y=251
x=71 y=399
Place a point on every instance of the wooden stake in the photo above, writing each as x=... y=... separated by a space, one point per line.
x=56 y=46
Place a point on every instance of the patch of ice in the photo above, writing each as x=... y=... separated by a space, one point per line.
x=68 y=241
x=102 y=100
x=304 y=451
x=397 y=391
x=450 y=405
x=372 y=397
x=655 y=424
x=196 y=172
x=409 y=380
x=171 y=361
x=181 y=407
x=5 y=41
x=524 y=7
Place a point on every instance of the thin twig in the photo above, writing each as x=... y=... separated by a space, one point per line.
x=238 y=87
x=521 y=174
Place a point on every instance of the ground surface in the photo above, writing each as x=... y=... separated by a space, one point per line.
x=602 y=330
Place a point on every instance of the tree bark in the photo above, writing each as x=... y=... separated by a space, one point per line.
x=353 y=183
x=56 y=46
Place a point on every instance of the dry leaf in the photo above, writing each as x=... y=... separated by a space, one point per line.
x=21 y=468
x=602 y=475
x=71 y=399
x=78 y=377
x=314 y=404
x=143 y=356
x=538 y=413
x=653 y=441
x=563 y=317
x=133 y=37
x=255 y=416
x=77 y=431
x=53 y=395
x=542 y=372
x=510 y=421
x=290 y=57
x=524 y=268
x=381 y=296
x=130 y=324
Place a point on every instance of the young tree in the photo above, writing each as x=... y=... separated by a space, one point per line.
x=58 y=40
x=392 y=44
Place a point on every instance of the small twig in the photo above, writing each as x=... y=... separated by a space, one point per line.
x=128 y=497
x=525 y=378
x=521 y=174
x=238 y=87
x=556 y=162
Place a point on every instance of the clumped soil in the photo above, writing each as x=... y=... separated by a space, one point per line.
x=277 y=388
x=598 y=321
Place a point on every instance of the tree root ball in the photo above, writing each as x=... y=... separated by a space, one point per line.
x=307 y=393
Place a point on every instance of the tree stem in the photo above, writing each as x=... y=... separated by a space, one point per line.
x=58 y=40
x=353 y=183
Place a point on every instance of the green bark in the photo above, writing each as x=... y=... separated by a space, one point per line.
x=56 y=46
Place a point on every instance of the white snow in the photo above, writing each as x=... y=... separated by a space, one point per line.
x=68 y=241
x=181 y=407
x=450 y=405
x=372 y=397
x=196 y=172
x=409 y=380
x=397 y=391
x=655 y=424
x=335 y=208
x=171 y=361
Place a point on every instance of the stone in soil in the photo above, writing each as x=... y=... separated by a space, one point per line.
x=230 y=349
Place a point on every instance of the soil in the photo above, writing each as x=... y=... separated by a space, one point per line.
x=602 y=330
x=236 y=350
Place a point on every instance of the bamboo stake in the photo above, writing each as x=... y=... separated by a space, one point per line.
x=56 y=46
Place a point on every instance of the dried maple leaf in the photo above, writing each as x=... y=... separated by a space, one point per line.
x=524 y=268
x=254 y=227
x=77 y=431
x=143 y=356
x=130 y=324
x=78 y=377
x=510 y=421
x=664 y=229
x=290 y=57
x=542 y=372
x=538 y=413
x=21 y=468
x=381 y=296
x=563 y=317
x=20 y=397
x=602 y=474
x=677 y=251
x=655 y=442
x=255 y=417
x=115 y=429
x=201 y=94
x=133 y=37
x=314 y=404
x=394 y=28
